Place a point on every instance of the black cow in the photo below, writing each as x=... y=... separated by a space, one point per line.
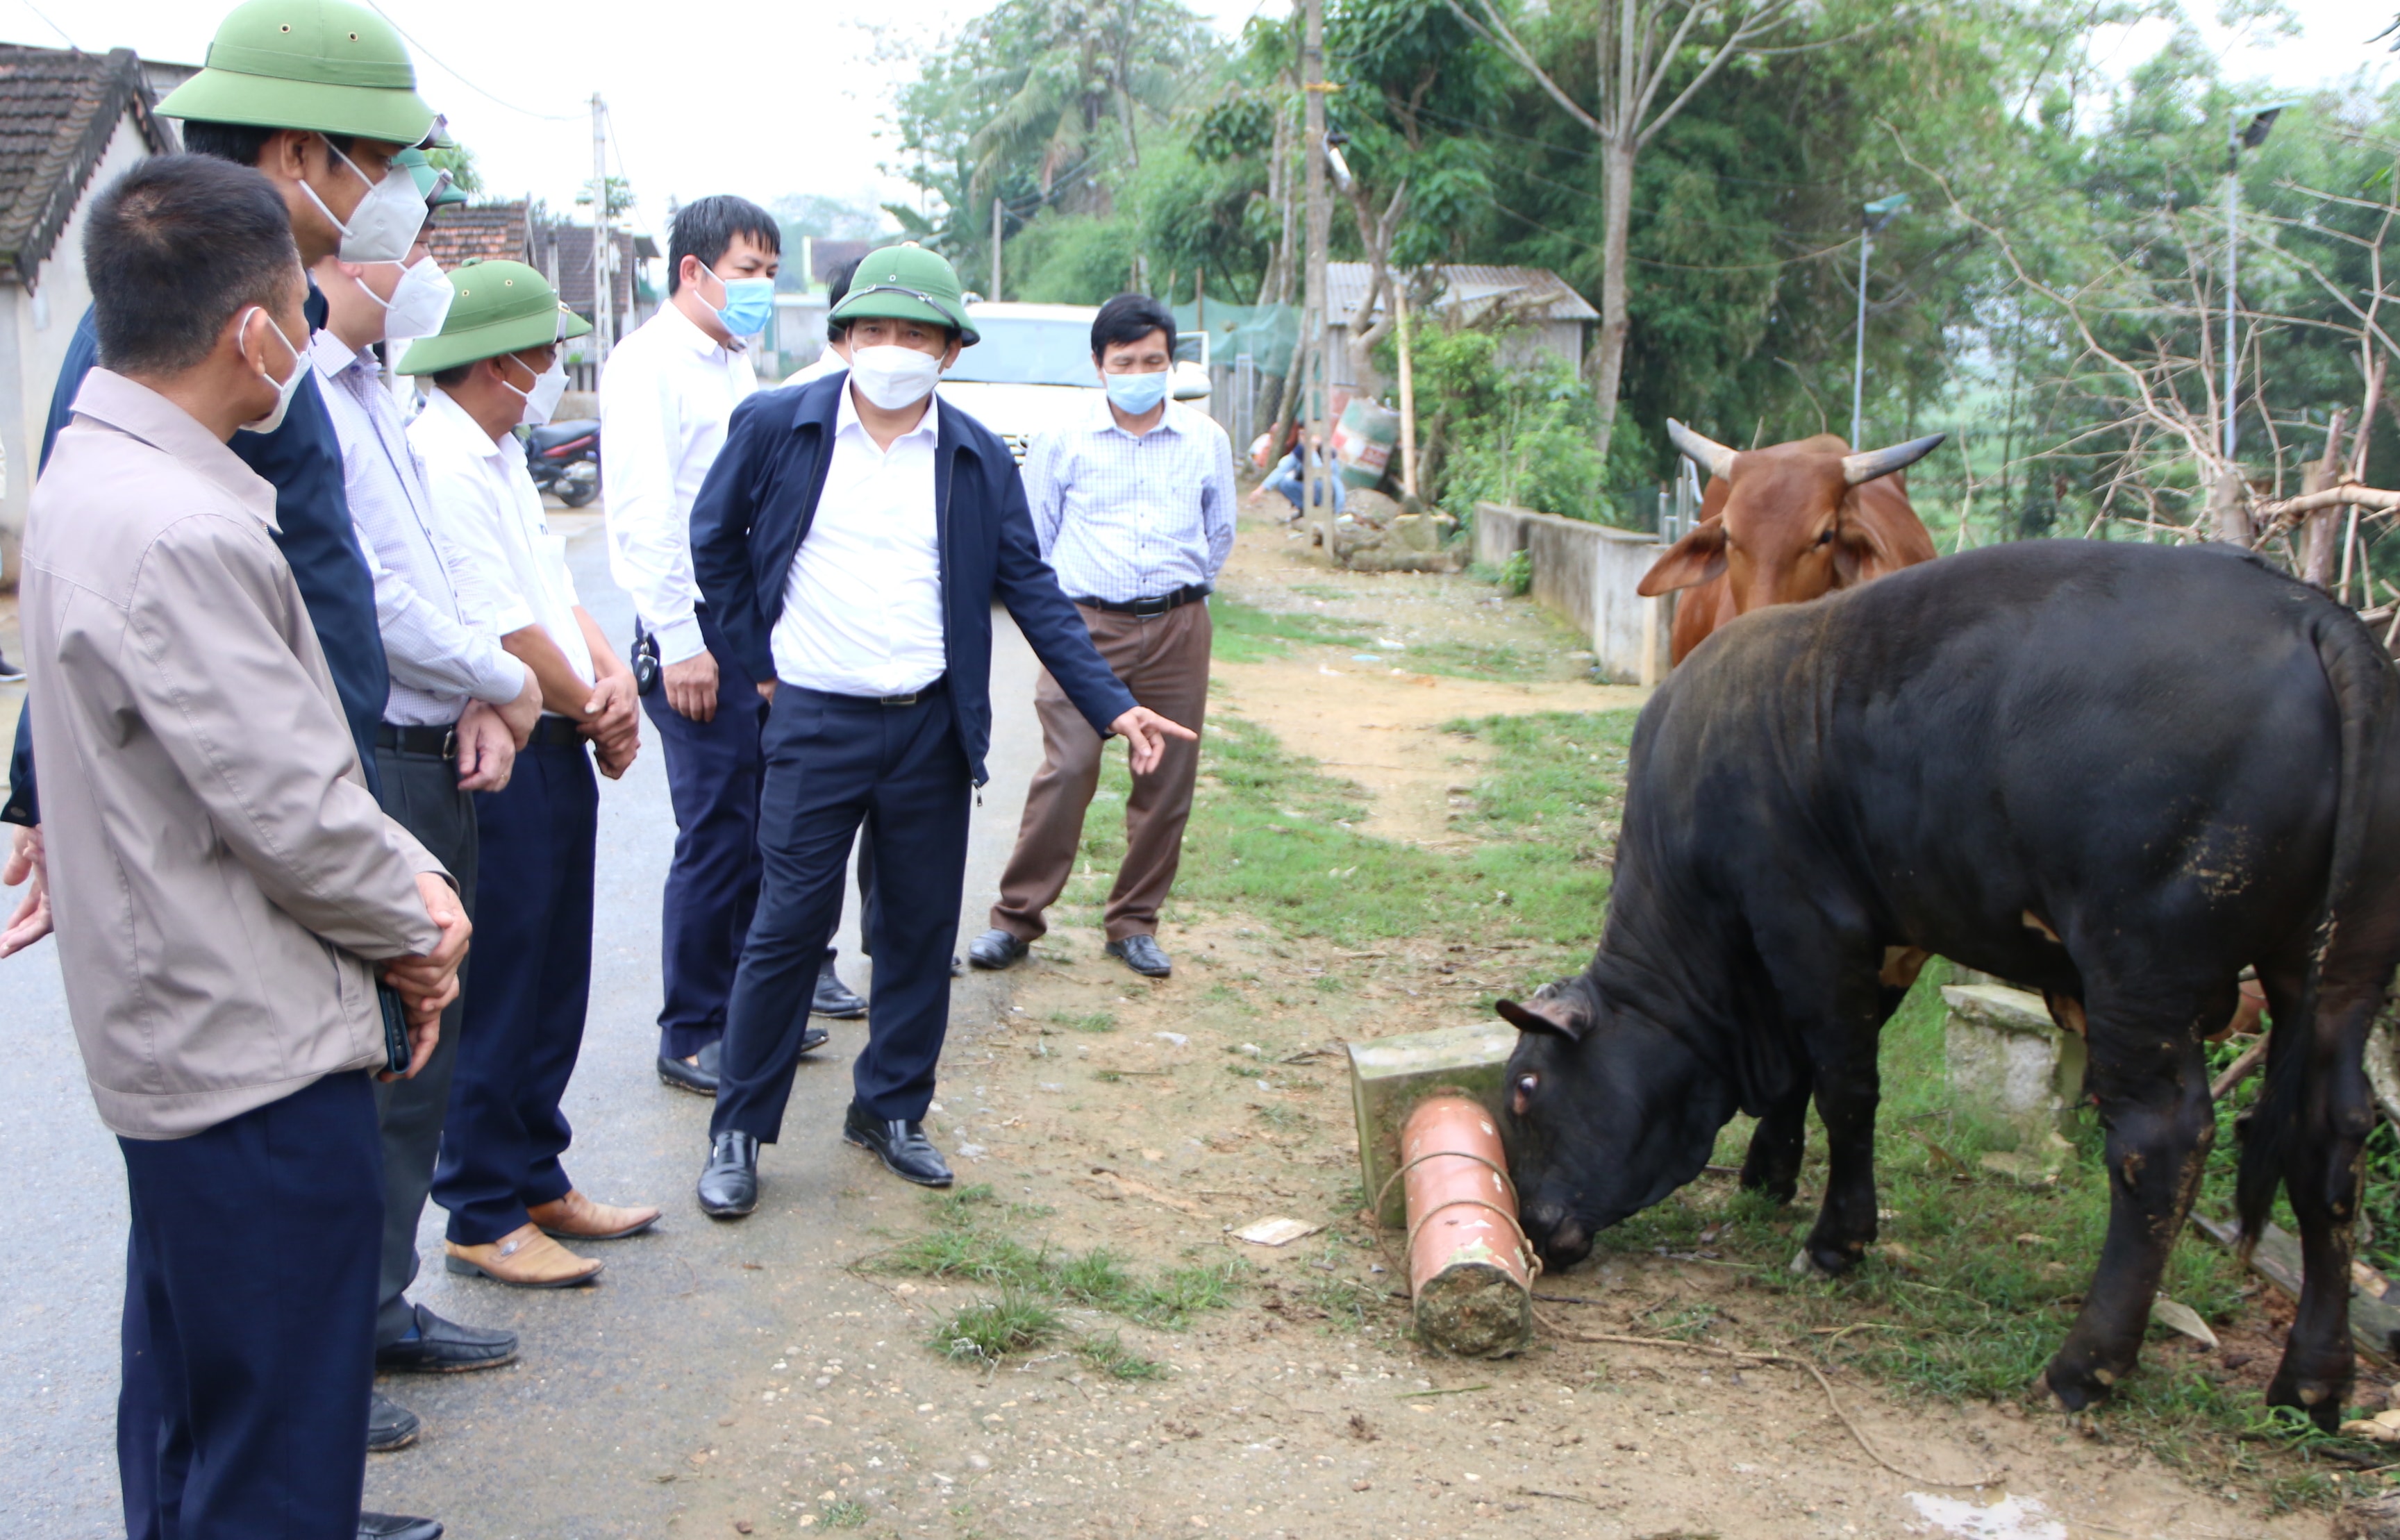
x=2117 y=773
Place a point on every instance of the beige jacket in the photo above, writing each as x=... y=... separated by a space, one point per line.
x=220 y=874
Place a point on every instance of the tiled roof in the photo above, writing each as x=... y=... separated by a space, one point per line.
x=1465 y=285
x=488 y=231
x=570 y=246
x=59 y=109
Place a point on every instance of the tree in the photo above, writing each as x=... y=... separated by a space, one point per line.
x=1639 y=44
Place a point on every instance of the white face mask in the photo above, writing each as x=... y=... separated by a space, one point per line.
x=284 y=389
x=420 y=304
x=894 y=377
x=384 y=226
x=542 y=400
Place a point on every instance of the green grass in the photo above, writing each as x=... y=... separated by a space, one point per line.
x=967 y=1242
x=1245 y=634
x=1505 y=661
x=993 y=1330
x=1112 y=1358
x=844 y=1513
x=1268 y=837
x=1084 y=1021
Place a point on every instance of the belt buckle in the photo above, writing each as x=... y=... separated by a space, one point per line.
x=907 y=700
x=1149 y=609
x=450 y=744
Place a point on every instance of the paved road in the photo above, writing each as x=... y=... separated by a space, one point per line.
x=614 y=1379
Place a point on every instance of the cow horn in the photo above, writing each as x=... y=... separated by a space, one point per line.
x=1709 y=455
x=1883 y=462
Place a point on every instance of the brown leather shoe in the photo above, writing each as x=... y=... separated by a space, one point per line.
x=577 y=1218
x=526 y=1258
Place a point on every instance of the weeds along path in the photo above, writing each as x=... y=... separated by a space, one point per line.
x=1075 y=1344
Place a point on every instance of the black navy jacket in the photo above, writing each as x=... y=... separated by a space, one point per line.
x=761 y=496
x=312 y=513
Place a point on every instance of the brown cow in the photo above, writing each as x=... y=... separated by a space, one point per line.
x=1787 y=524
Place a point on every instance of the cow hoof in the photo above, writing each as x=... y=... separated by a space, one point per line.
x=2317 y=1398
x=2078 y=1389
x=1806 y=1263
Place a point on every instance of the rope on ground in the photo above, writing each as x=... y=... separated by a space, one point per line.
x=1823 y=1384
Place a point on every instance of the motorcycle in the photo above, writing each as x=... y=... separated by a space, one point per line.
x=565 y=459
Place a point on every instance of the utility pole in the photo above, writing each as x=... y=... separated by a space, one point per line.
x=996 y=212
x=1874 y=217
x=2231 y=520
x=1320 y=218
x=603 y=308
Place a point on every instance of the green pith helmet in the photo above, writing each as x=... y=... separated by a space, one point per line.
x=501 y=307
x=907 y=283
x=327 y=65
x=431 y=181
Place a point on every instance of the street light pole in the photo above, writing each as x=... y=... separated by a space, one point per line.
x=1874 y=217
x=2231 y=522
x=1321 y=227
x=602 y=293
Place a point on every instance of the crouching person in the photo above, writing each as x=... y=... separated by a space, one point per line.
x=225 y=889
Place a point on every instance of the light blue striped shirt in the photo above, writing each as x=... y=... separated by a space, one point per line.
x=1124 y=518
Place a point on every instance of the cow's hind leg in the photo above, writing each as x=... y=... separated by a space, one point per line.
x=2334 y=1115
x=2151 y=1080
x=1773 y=1165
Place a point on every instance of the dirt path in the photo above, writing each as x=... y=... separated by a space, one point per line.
x=1150 y=1118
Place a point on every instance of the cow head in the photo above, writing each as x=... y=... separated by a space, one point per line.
x=1604 y=1113
x=1786 y=524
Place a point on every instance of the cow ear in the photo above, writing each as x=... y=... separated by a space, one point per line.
x=1557 y=1016
x=1860 y=554
x=1695 y=558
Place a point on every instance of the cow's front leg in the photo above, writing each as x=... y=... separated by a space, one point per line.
x=2151 y=1083
x=1847 y=1091
x=1776 y=1146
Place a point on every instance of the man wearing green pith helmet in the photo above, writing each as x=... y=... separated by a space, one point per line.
x=238 y=1414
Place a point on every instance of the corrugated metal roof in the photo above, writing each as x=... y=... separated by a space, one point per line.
x=59 y=109
x=1465 y=285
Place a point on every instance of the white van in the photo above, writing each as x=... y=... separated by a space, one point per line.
x=1033 y=369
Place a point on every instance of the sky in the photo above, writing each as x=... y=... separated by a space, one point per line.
x=765 y=101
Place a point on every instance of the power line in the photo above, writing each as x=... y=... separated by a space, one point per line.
x=428 y=55
x=52 y=26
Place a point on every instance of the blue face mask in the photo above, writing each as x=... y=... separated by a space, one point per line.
x=749 y=305
x=1136 y=394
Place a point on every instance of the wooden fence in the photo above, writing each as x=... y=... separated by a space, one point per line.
x=1586 y=574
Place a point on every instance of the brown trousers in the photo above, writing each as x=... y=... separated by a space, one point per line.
x=1163 y=661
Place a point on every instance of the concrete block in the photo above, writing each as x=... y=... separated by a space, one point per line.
x=1389 y=1076
x=2006 y=1055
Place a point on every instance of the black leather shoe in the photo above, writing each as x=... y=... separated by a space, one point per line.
x=957 y=968
x=902 y=1145
x=389 y=1425
x=393 y=1526
x=1144 y=955
x=834 y=998
x=997 y=949
x=699 y=1079
x=729 y=1184
x=446 y=1347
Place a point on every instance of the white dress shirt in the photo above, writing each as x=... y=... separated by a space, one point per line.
x=666 y=393
x=433 y=609
x=485 y=504
x=1124 y=518
x=827 y=363
x=862 y=606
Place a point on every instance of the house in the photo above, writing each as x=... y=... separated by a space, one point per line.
x=520 y=231
x=1553 y=319
x=70 y=124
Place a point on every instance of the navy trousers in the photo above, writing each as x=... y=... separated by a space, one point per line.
x=248 y=1335
x=526 y=996
x=833 y=763
x=713 y=777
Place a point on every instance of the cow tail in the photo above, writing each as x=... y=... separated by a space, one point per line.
x=2360 y=673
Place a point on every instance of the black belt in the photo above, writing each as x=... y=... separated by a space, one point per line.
x=1150 y=609
x=555 y=732
x=440 y=742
